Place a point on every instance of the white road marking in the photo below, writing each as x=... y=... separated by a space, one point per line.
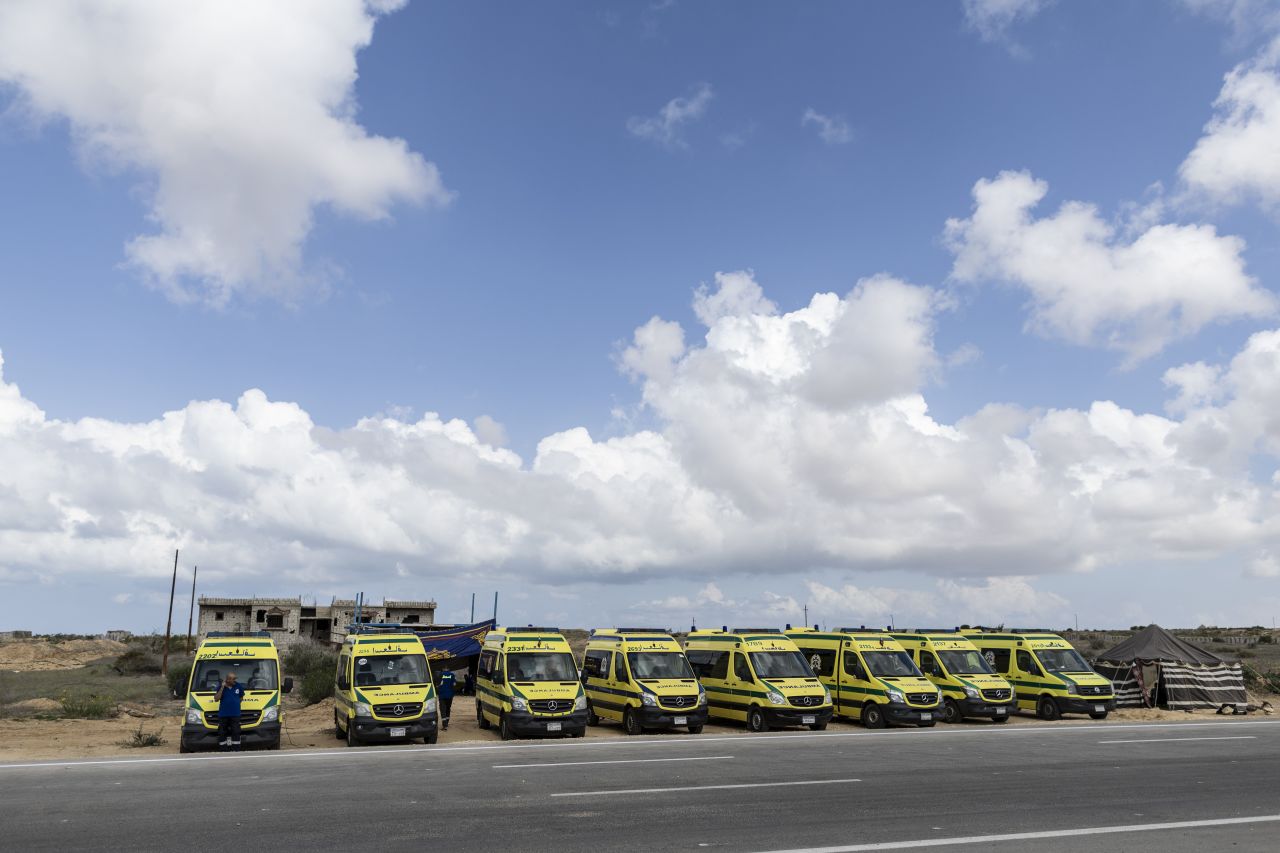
x=1178 y=739
x=694 y=740
x=1033 y=836
x=617 y=761
x=705 y=788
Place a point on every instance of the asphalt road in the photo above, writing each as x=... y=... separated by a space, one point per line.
x=1167 y=787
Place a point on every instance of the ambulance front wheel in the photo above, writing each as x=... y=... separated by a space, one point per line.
x=1100 y=715
x=695 y=730
x=631 y=724
x=352 y=738
x=480 y=718
x=755 y=720
x=1000 y=718
x=431 y=738
x=1047 y=709
x=337 y=729
x=951 y=712
x=504 y=728
x=592 y=718
x=872 y=716
x=818 y=727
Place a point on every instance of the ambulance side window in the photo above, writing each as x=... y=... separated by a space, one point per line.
x=821 y=661
x=741 y=668
x=708 y=664
x=343 y=663
x=1026 y=664
x=596 y=664
x=929 y=664
x=486 y=663
x=998 y=658
x=619 y=667
x=853 y=666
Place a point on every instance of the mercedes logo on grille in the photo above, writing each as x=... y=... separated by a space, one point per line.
x=552 y=705
x=679 y=701
x=398 y=710
x=806 y=700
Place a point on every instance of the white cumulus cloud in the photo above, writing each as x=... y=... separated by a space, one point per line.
x=993 y=19
x=666 y=128
x=238 y=118
x=1092 y=286
x=832 y=130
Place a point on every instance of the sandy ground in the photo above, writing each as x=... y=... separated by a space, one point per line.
x=32 y=655
x=312 y=728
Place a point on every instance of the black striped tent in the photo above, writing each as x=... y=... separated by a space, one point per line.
x=1153 y=667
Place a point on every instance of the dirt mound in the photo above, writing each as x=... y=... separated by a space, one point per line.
x=30 y=707
x=32 y=655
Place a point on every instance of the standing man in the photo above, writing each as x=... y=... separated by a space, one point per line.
x=228 y=698
x=447 y=683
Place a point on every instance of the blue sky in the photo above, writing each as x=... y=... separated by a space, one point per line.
x=512 y=291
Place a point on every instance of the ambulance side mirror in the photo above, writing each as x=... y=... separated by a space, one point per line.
x=288 y=685
x=344 y=683
x=499 y=678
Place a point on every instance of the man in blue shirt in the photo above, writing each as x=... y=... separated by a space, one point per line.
x=447 y=683
x=228 y=698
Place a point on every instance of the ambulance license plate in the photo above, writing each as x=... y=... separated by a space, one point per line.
x=1099 y=709
x=680 y=721
x=925 y=717
x=808 y=719
x=553 y=727
x=398 y=732
x=1001 y=711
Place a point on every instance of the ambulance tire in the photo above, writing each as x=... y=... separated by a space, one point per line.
x=755 y=720
x=593 y=719
x=1000 y=719
x=695 y=730
x=1047 y=709
x=818 y=727
x=337 y=729
x=872 y=716
x=483 y=723
x=951 y=712
x=582 y=732
x=431 y=738
x=1101 y=715
x=183 y=748
x=630 y=724
x=275 y=744
x=504 y=729
x=352 y=738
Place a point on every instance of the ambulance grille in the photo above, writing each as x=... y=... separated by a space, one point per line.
x=997 y=695
x=551 y=706
x=681 y=703
x=922 y=698
x=246 y=717
x=806 y=701
x=1092 y=690
x=407 y=709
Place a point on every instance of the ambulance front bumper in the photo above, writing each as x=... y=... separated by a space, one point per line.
x=909 y=714
x=196 y=736
x=525 y=724
x=372 y=730
x=1085 y=705
x=654 y=717
x=985 y=708
x=780 y=717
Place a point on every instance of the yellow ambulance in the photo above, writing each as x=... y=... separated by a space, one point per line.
x=527 y=684
x=757 y=676
x=970 y=687
x=872 y=677
x=382 y=691
x=252 y=658
x=640 y=677
x=1048 y=675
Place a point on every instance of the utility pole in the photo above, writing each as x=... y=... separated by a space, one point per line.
x=495 y=608
x=806 y=614
x=192 y=610
x=168 y=625
x=473 y=609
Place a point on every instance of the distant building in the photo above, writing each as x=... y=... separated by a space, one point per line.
x=290 y=620
x=15 y=635
x=117 y=634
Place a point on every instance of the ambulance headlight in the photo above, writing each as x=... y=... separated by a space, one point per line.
x=518 y=704
x=580 y=704
x=363 y=709
x=648 y=699
x=270 y=715
x=826 y=695
x=702 y=695
x=430 y=707
x=194 y=717
x=1073 y=689
x=971 y=692
x=776 y=699
x=895 y=696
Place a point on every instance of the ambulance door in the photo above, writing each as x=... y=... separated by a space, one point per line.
x=854 y=683
x=1029 y=672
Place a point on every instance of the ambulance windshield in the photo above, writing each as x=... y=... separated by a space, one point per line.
x=659 y=665
x=891 y=664
x=251 y=674
x=378 y=670
x=965 y=663
x=1062 y=660
x=780 y=665
x=541 y=666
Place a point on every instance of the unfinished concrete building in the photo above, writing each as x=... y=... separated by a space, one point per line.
x=291 y=620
